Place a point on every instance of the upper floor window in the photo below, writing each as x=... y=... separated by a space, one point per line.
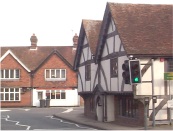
x=170 y=65
x=88 y=72
x=9 y=74
x=55 y=74
x=114 y=67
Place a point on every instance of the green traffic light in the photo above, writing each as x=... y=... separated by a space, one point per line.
x=136 y=79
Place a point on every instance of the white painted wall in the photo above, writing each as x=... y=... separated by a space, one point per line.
x=106 y=67
x=117 y=43
x=93 y=74
x=82 y=72
x=110 y=108
x=71 y=98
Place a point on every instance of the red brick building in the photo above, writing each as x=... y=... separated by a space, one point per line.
x=31 y=73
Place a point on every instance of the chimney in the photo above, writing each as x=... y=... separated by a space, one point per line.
x=33 y=40
x=75 y=41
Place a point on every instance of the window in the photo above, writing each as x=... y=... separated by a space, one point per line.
x=88 y=72
x=55 y=74
x=9 y=74
x=10 y=94
x=114 y=67
x=128 y=107
x=55 y=94
x=170 y=65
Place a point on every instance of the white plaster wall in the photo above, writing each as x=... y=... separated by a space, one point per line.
x=117 y=43
x=110 y=43
x=88 y=86
x=85 y=41
x=82 y=72
x=35 y=100
x=110 y=108
x=158 y=77
x=89 y=54
x=110 y=27
x=114 y=84
x=81 y=58
x=93 y=74
x=71 y=99
x=85 y=51
x=106 y=67
x=105 y=51
x=146 y=88
x=79 y=84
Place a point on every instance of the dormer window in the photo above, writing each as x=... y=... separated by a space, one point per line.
x=55 y=74
x=11 y=74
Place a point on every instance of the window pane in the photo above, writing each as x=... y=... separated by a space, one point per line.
x=6 y=89
x=2 y=74
x=16 y=89
x=6 y=96
x=2 y=89
x=17 y=73
x=63 y=95
x=57 y=94
x=2 y=96
x=6 y=73
x=11 y=73
x=52 y=73
x=16 y=96
x=57 y=73
x=11 y=96
x=47 y=94
x=62 y=73
x=47 y=74
x=11 y=89
x=52 y=94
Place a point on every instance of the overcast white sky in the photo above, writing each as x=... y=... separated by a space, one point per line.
x=53 y=21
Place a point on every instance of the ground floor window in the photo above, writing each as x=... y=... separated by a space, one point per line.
x=55 y=94
x=10 y=94
x=128 y=107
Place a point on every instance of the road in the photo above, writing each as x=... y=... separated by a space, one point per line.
x=37 y=119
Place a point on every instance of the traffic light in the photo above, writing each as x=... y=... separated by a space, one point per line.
x=135 y=71
x=126 y=74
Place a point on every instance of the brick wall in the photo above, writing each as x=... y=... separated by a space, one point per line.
x=54 y=63
x=10 y=63
x=25 y=101
x=138 y=121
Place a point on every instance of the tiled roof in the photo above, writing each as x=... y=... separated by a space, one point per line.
x=144 y=29
x=92 y=30
x=33 y=58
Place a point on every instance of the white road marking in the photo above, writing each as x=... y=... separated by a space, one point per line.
x=68 y=110
x=52 y=117
x=25 y=109
x=4 y=110
x=17 y=122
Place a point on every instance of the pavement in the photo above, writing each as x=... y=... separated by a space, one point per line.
x=77 y=116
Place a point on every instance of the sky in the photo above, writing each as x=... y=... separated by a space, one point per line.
x=54 y=22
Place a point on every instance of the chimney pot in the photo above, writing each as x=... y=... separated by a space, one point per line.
x=33 y=40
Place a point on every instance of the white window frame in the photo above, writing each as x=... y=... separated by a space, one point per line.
x=55 y=91
x=10 y=92
x=9 y=74
x=55 y=79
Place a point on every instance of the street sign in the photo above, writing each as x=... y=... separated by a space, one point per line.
x=168 y=76
x=170 y=103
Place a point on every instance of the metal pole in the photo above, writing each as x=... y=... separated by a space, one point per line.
x=145 y=115
x=170 y=99
x=153 y=104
